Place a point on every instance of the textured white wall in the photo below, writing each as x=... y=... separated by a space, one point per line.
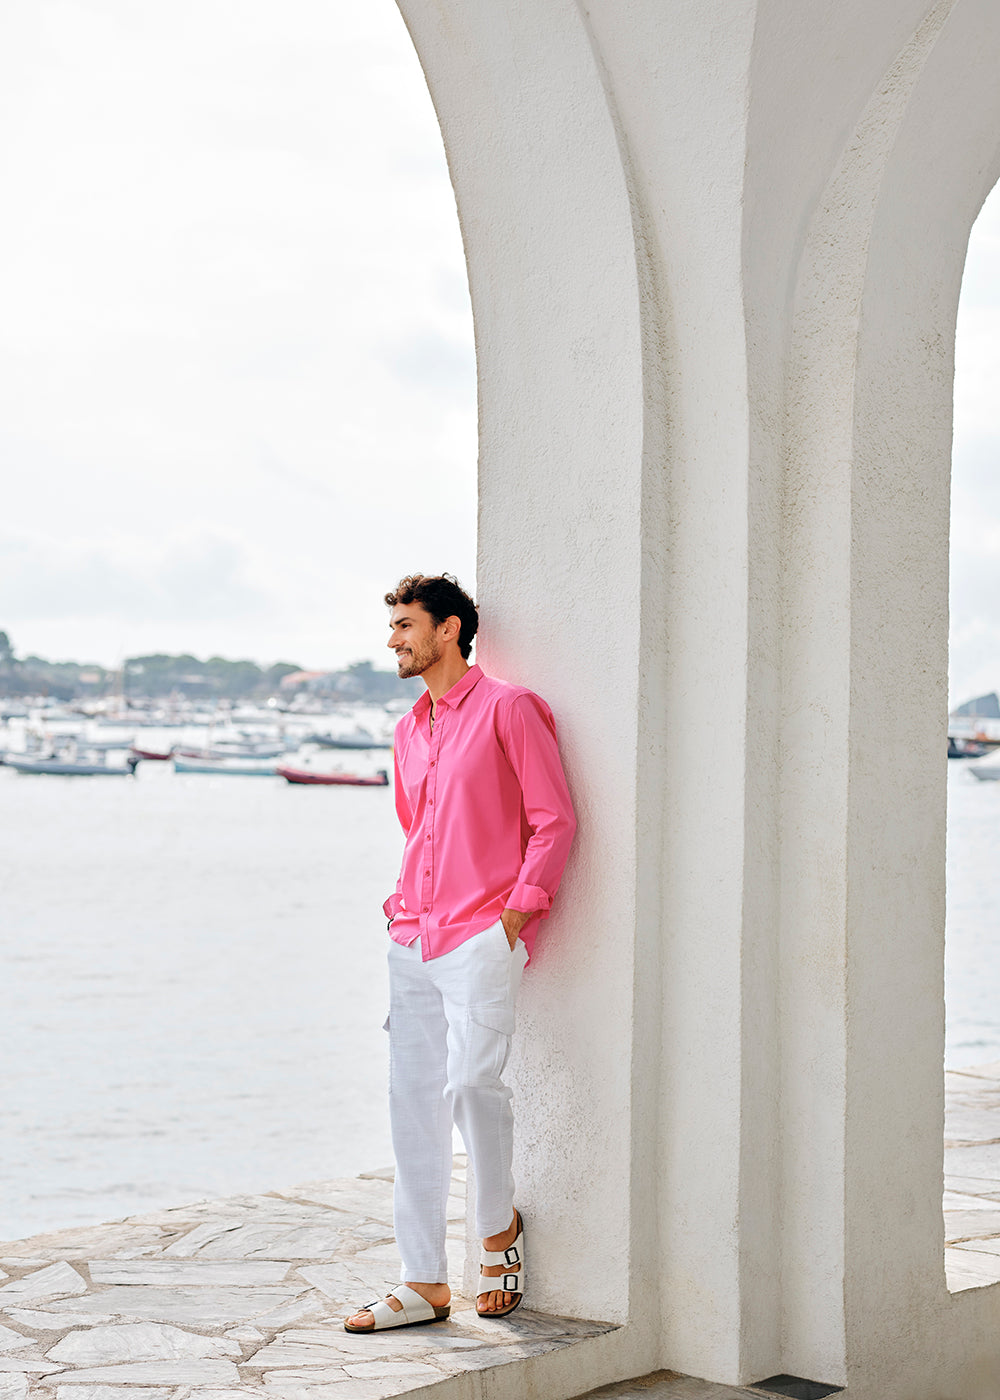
x=546 y=220
x=820 y=559
x=715 y=249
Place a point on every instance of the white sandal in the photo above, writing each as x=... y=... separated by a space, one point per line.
x=415 y=1309
x=514 y=1282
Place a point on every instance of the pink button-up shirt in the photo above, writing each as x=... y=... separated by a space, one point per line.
x=486 y=811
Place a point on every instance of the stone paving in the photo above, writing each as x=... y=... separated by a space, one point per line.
x=972 y=1177
x=240 y=1299
x=244 y=1298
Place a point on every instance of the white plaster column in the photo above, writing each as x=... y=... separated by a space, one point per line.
x=545 y=215
x=906 y=1336
x=714 y=251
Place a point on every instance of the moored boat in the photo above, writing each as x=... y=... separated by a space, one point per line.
x=232 y=767
x=70 y=768
x=307 y=777
x=360 y=739
x=235 y=748
x=216 y=752
x=964 y=748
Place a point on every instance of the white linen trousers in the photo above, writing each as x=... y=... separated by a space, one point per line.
x=450 y=1023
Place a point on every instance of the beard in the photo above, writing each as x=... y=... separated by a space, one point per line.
x=417 y=662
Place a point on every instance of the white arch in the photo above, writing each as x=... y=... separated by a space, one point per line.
x=715 y=251
x=944 y=162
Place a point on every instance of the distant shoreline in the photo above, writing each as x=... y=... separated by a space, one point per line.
x=159 y=676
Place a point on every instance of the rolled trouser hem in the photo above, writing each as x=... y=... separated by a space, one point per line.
x=491 y=1229
x=418 y=1275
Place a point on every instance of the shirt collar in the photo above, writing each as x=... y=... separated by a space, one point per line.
x=454 y=696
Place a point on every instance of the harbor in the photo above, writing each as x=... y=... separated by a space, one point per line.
x=337 y=747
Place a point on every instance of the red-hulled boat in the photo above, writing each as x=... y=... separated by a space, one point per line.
x=305 y=775
x=150 y=754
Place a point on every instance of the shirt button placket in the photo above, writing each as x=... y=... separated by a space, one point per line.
x=428 y=880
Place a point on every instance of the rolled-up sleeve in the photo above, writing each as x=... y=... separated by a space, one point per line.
x=528 y=735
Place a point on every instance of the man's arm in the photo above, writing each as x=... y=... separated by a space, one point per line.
x=392 y=905
x=528 y=734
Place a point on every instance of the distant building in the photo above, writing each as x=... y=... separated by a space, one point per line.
x=310 y=679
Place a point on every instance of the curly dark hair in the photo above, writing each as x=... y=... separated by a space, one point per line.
x=442 y=596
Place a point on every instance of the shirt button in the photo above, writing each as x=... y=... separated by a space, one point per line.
x=433 y=761
x=426 y=910
x=427 y=837
x=430 y=802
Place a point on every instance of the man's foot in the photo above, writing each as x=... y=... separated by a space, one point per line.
x=498 y=1302
x=437 y=1294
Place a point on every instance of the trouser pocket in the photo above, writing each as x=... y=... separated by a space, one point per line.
x=487 y=1043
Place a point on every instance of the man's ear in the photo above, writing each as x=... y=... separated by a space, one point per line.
x=452 y=629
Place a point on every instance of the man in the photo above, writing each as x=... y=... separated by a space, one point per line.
x=483 y=802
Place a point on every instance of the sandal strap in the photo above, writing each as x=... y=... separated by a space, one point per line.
x=511 y=1260
x=499 y=1283
x=415 y=1309
x=510 y=1257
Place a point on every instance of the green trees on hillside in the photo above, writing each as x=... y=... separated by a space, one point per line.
x=159 y=675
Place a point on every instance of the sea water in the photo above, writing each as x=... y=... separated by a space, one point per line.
x=192 y=983
x=192 y=988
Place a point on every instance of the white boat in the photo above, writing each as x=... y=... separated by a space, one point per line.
x=69 y=767
x=359 y=739
x=221 y=752
x=248 y=748
x=231 y=767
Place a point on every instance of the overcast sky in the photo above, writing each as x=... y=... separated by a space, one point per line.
x=237 y=382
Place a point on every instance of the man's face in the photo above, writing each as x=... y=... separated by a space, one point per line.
x=414 y=639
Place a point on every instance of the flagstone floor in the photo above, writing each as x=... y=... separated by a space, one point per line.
x=972 y=1177
x=240 y=1299
x=244 y=1298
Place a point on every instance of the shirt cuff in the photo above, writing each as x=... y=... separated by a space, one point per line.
x=392 y=905
x=529 y=899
